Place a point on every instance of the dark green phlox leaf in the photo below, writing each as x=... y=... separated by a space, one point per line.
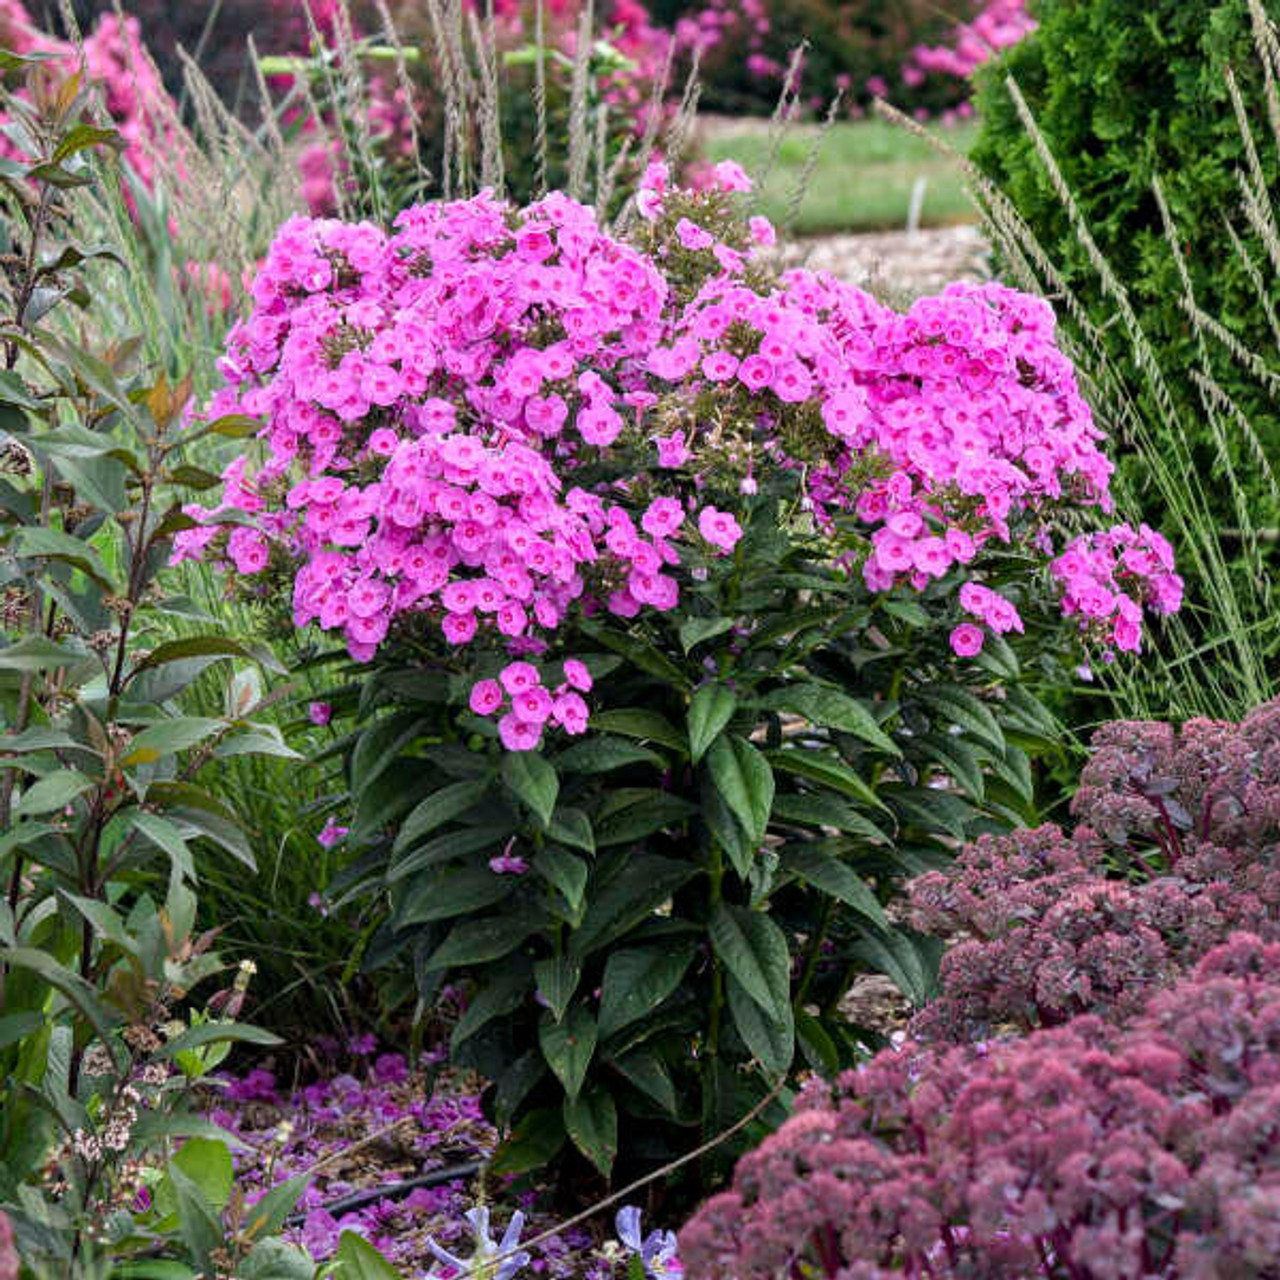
x=438 y=808
x=998 y=657
x=640 y=652
x=645 y=812
x=458 y=762
x=504 y=989
x=458 y=843
x=380 y=805
x=210 y=647
x=769 y=1039
x=54 y=544
x=752 y=947
x=601 y=753
x=41 y=738
x=516 y=1083
x=637 y=980
x=831 y=709
x=820 y=869
x=646 y=1070
x=693 y=631
x=932 y=809
x=533 y=1143
x=266 y=1216
x=565 y=871
x=592 y=1122
x=568 y=1045
x=361 y=1261
x=557 y=979
x=794 y=622
x=169 y=737
x=827 y=769
x=572 y=827
x=533 y=780
x=51 y=793
x=645 y=882
x=1015 y=769
x=958 y=706
x=907 y=611
x=727 y=830
x=743 y=777
x=710 y=710
x=446 y=892
x=479 y=941
x=817 y=810
x=1022 y=709
x=910 y=959
x=953 y=755
x=380 y=746
x=636 y=722
x=817 y=1046
x=198 y=1221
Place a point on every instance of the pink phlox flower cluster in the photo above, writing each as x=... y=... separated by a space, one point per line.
x=527 y=705
x=429 y=393
x=1108 y=577
x=422 y=338
x=998 y=25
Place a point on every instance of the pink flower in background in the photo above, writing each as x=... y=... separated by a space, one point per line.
x=320 y=713
x=731 y=176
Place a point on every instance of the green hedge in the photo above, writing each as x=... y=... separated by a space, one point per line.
x=1124 y=90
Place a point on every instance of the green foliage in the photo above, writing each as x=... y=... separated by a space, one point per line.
x=865 y=175
x=707 y=868
x=99 y=769
x=847 y=42
x=1172 y=311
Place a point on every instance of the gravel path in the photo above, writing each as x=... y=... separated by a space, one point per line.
x=899 y=265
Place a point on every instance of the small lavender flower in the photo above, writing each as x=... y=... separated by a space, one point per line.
x=480 y=1263
x=656 y=1251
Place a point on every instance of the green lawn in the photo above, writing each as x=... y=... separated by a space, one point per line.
x=864 y=177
